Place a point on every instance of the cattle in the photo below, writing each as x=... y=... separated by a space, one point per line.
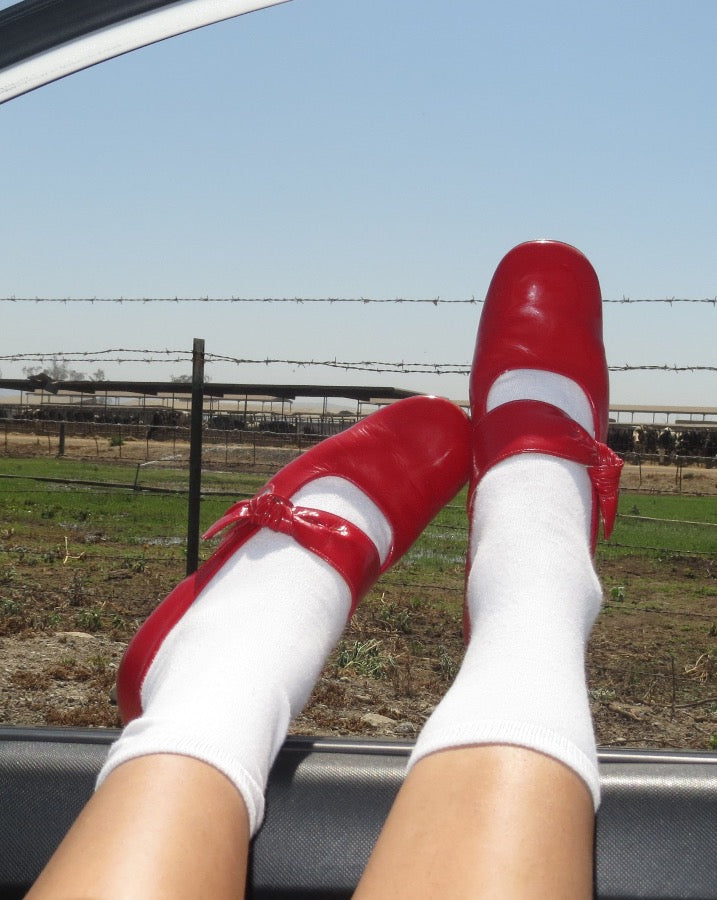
x=227 y=422
x=277 y=426
x=666 y=446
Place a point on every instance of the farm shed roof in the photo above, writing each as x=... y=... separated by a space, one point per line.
x=370 y=394
x=668 y=412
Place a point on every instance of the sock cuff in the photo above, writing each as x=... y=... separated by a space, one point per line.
x=134 y=747
x=520 y=734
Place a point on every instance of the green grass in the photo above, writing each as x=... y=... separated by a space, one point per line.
x=664 y=523
x=647 y=523
x=152 y=474
x=442 y=545
x=126 y=516
x=61 y=468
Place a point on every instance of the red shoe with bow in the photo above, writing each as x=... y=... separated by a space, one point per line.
x=409 y=458
x=543 y=311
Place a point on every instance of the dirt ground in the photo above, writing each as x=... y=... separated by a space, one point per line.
x=651 y=661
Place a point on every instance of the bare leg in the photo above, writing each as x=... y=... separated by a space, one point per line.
x=488 y=822
x=159 y=827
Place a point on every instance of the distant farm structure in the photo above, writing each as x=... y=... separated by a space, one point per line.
x=296 y=415
x=160 y=411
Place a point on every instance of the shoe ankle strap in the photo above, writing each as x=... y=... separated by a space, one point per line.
x=336 y=540
x=531 y=426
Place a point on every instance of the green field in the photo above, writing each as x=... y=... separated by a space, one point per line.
x=121 y=503
x=123 y=506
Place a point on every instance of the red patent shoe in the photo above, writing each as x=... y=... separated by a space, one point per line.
x=544 y=311
x=410 y=458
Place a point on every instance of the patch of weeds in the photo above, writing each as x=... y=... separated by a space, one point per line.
x=89 y=619
x=75 y=591
x=365 y=658
x=712 y=742
x=8 y=574
x=99 y=663
x=13 y=615
x=117 y=621
x=11 y=606
x=617 y=594
x=116 y=441
x=31 y=681
x=69 y=669
x=394 y=615
x=602 y=694
x=446 y=665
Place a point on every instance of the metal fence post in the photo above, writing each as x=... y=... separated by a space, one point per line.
x=195 y=455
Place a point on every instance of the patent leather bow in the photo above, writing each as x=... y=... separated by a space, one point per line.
x=605 y=477
x=271 y=510
x=336 y=540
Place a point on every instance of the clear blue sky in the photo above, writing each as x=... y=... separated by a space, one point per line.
x=380 y=148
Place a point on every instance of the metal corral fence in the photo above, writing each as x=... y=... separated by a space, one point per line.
x=676 y=446
x=261 y=431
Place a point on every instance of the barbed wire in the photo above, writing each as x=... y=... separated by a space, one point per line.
x=664 y=367
x=667 y=551
x=403 y=367
x=433 y=301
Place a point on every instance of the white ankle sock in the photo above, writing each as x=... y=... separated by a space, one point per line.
x=243 y=660
x=534 y=384
x=532 y=595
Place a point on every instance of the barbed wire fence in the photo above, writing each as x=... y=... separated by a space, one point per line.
x=403 y=367
x=434 y=301
x=149 y=357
